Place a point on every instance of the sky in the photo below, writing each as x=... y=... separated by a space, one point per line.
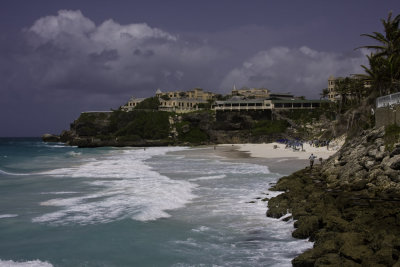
x=61 y=58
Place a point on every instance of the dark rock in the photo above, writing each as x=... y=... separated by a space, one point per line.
x=329 y=259
x=396 y=151
x=353 y=247
x=50 y=138
x=372 y=153
x=392 y=174
x=185 y=128
x=353 y=212
x=287 y=218
x=306 y=226
x=375 y=134
x=394 y=162
x=277 y=207
x=304 y=260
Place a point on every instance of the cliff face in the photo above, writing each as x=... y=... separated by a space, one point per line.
x=349 y=205
x=155 y=128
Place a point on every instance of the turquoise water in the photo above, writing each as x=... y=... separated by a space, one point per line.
x=165 y=206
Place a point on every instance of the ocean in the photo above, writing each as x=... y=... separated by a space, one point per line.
x=159 y=206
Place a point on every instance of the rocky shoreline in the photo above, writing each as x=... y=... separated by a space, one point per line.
x=349 y=206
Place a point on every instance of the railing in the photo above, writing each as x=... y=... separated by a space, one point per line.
x=262 y=107
x=388 y=100
x=242 y=108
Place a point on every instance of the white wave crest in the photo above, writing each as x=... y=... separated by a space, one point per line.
x=11 y=173
x=3 y=216
x=222 y=176
x=73 y=154
x=59 y=193
x=34 y=263
x=130 y=189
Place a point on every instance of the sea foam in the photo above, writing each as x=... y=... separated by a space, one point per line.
x=11 y=173
x=125 y=187
x=4 y=216
x=34 y=263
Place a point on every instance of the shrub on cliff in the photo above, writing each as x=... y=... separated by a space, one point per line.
x=146 y=125
x=392 y=136
x=194 y=136
x=267 y=127
x=151 y=103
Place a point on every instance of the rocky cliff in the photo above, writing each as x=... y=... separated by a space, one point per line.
x=156 y=128
x=349 y=205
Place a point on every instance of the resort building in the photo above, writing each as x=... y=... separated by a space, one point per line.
x=196 y=93
x=332 y=81
x=184 y=101
x=332 y=95
x=243 y=99
x=266 y=104
x=181 y=105
x=251 y=93
x=132 y=103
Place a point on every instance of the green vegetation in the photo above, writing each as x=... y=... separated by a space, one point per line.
x=144 y=124
x=304 y=116
x=384 y=62
x=266 y=127
x=91 y=117
x=151 y=103
x=128 y=138
x=392 y=136
x=188 y=129
x=194 y=136
x=381 y=77
x=88 y=130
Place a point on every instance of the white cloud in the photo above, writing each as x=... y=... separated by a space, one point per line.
x=73 y=53
x=302 y=71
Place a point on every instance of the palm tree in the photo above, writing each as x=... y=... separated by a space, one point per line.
x=342 y=89
x=384 y=70
x=325 y=93
x=390 y=42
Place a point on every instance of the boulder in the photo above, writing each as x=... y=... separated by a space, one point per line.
x=330 y=259
x=395 y=151
x=393 y=162
x=306 y=259
x=353 y=247
x=50 y=138
x=306 y=226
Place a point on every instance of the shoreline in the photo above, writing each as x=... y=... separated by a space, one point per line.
x=348 y=208
x=280 y=165
x=281 y=160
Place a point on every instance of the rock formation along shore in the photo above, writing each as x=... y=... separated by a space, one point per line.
x=349 y=205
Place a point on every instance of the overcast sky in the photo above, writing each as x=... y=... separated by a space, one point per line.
x=60 y=58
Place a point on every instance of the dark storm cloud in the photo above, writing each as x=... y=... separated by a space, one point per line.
x=69 y=52
x=104 y=56
x=65 y=64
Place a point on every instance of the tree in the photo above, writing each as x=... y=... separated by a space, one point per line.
x=342 y=89
x=384 y=62
x=149 y=103
x=325 y=93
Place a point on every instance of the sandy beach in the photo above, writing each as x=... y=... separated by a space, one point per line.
x=276 y=156
x=277 y=150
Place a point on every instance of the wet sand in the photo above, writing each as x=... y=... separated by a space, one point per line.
x=281 y=165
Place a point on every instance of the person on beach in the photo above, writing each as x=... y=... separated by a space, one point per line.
x=311 y=158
